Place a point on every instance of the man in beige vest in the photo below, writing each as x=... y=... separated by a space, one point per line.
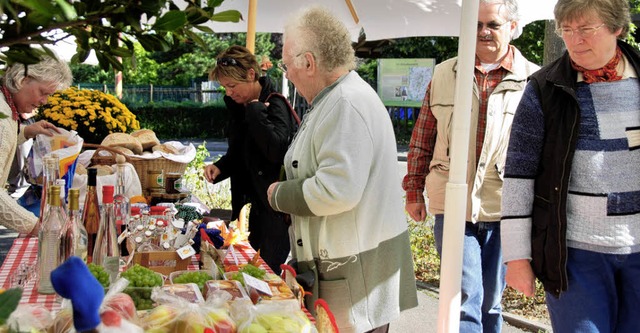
x=500 y=77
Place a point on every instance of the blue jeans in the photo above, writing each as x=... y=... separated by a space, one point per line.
x=603 y=294
x=482 y=275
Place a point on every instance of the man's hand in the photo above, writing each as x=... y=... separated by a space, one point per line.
x=211 y=171
x=520 y=277
x=417 y=211
x=40 y=127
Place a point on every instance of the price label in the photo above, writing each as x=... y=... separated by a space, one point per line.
x=257 y=284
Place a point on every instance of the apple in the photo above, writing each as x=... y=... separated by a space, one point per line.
x=123 y=304
x=111 y=318
x=221 y=321
x=161 y=317
x=191 y=322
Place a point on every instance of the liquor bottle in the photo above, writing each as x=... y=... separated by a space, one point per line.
x=106 y=252
x=91 y=211
x=74 y=235
x=49 y=242
x=50 y=172
x=121 y=203
x=63 y=201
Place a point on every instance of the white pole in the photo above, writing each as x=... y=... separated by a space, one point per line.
x=455 y=206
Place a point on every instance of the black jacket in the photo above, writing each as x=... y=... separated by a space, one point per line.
x=258 y=138
x=555 y=85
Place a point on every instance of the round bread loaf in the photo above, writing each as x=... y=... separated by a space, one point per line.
x=146 y=137
x=81 y=169
x=165 y=148
x=103 y=170
x=123 y=140
x=123 y=150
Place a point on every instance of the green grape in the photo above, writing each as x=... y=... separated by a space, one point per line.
x=100 y=274
x=196 y=277
x=141 y=282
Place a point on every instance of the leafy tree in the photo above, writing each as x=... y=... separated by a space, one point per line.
x=109 y=27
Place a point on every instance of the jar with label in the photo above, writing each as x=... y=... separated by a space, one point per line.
x=173 y=182
x=155 y=179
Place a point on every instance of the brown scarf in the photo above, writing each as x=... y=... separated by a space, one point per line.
x=607 y=73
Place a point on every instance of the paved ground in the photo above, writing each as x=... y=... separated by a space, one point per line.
x=421 y=319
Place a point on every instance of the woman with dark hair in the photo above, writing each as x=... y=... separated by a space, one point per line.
x=258 y=133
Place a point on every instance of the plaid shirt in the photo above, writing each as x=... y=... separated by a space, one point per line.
x=423 y=138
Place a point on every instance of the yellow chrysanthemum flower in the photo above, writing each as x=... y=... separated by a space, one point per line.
x=92 y=113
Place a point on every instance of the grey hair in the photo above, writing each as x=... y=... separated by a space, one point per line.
x=511 y=6
x=613 y=13
x=49 y=69
x=318 y=31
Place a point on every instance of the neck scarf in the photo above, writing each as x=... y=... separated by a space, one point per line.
x=605 y=74
x=12 y=105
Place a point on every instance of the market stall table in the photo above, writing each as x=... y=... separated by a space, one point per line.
x=24 y=253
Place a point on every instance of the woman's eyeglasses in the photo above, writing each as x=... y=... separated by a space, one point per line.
x=585 y=32
x=225 y=61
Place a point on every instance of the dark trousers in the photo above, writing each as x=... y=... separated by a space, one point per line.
x=269 y=233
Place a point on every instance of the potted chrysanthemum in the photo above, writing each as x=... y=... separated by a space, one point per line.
x=92 y=113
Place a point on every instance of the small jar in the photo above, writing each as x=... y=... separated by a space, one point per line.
x=172 y=198
x=172 y=182
x=155 y=179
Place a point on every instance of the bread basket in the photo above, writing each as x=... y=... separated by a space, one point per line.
x=142 y=165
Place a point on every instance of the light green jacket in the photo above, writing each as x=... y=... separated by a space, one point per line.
x=345 y=195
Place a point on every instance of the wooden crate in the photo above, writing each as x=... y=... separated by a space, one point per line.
x=163 y=262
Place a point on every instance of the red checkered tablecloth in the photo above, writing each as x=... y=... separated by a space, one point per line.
x=25 y=251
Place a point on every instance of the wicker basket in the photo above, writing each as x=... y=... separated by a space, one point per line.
x=142 y=165
x=164 y=165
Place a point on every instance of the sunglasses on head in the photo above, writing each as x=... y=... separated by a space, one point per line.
x=228 y=62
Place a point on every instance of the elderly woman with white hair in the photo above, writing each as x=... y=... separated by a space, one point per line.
x=343 y=188
x=24 y=88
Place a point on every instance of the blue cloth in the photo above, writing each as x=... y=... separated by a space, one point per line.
x=603 y=294
x=74 y=281
x=482 y=276
x=214 y=235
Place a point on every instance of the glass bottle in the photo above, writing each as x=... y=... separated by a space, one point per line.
x=74 y=235
x=91 y=211
x=49 y=242
x=121 y=204
x=50 y=173
x=63 y=201
x=106 y=252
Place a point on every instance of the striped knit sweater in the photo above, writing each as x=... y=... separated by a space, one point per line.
x=603 y=206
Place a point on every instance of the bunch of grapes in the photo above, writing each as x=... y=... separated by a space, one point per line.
x=141 y=282
x=188 y=213
x=254 y=271
x=100 y=274
x=197 y=277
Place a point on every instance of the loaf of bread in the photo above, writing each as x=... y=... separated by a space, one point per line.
x=103 y=170
x=123 y=150
x=81 y=169
x=165 y=148
x=146 y=137
x=123 y=140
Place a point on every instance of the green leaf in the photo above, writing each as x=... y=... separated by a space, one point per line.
x=9 y=301
x=227 y=16
x=170 y=21
x=67 y=9
x=204 y=28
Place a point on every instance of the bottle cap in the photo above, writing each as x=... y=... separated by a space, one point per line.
x=93 y=174
x=107 y=193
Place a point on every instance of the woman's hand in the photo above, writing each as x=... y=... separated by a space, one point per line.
x=40 y=127
x=211 y=171
x=417 y=211
x=270 y=190
x=520 y=277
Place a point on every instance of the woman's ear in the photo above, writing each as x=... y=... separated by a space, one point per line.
x=311 y=61
x=251 y=75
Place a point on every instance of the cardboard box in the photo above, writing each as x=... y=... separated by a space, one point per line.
x=163 y=262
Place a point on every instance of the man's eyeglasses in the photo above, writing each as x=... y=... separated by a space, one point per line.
x=494 y=26
x=585 y=32
x=282 y=67
x=225 y=61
